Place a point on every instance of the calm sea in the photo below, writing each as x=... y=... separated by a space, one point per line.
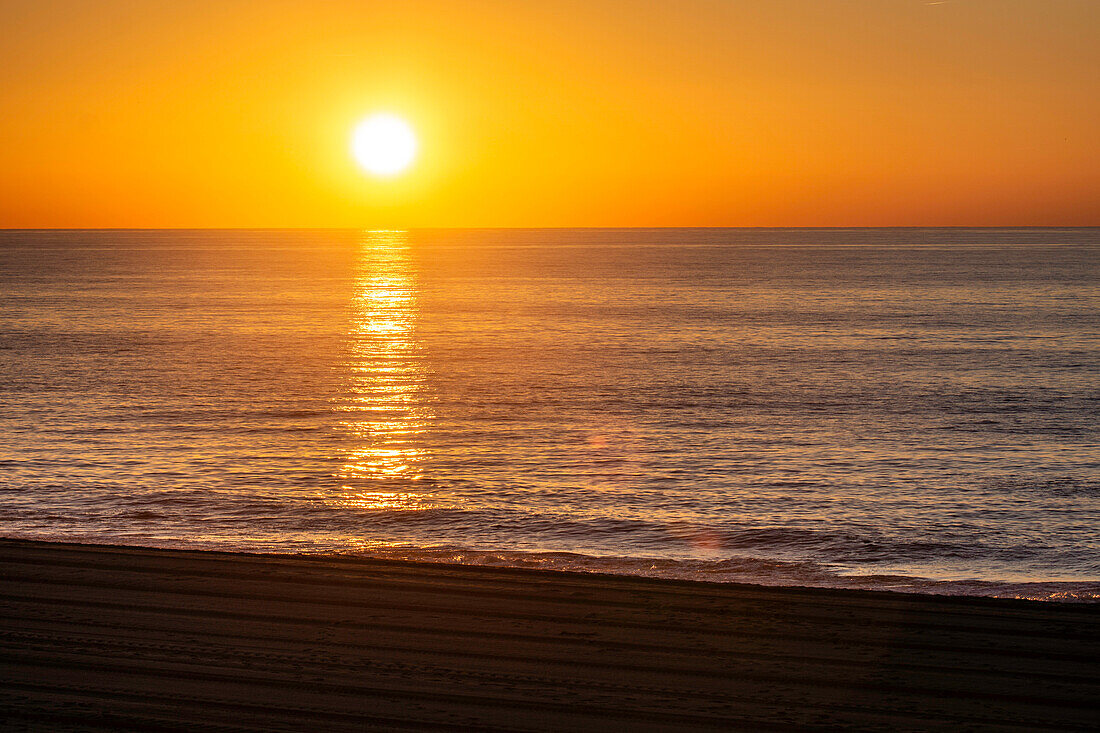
x=888 y=408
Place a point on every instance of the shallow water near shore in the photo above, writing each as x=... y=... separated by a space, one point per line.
x=912 y=409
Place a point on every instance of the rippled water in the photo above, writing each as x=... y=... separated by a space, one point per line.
x=913 y=409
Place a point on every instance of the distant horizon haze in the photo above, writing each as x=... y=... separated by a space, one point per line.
x=366 y=228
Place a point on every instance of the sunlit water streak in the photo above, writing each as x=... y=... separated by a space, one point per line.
x=386 y=406
x=912 y=409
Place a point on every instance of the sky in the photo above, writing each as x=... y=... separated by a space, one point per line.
x=531 y=114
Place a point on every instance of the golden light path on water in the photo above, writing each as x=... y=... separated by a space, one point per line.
x=386 y=407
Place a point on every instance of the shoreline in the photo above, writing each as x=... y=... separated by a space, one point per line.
x=740 y=571
x=100 y=637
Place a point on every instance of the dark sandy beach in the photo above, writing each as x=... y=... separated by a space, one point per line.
x=115 y=638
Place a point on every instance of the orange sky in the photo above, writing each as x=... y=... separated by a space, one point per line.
x=593 y=113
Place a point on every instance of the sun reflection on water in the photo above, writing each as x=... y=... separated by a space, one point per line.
x=385 y=405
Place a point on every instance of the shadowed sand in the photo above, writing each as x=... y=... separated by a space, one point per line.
x=114 y=638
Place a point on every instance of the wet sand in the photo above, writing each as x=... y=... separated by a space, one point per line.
x=112 y=638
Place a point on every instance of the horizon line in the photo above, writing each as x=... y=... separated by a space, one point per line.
x=531 y=228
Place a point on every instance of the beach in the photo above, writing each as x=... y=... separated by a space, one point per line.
x=125 y=638
x=559 y=367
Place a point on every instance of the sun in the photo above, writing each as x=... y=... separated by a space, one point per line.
x=384 y=144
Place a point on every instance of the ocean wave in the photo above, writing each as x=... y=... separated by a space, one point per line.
x=745 y=570
x=284 y=523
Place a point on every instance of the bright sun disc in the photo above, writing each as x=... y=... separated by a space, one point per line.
x=384 y=144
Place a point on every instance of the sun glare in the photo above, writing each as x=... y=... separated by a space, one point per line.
x=384 y=144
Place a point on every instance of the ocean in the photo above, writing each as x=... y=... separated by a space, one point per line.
x=905 y=409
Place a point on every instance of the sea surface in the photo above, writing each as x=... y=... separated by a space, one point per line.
x=911 y=409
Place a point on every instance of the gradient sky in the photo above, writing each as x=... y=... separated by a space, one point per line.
x=588 y=113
